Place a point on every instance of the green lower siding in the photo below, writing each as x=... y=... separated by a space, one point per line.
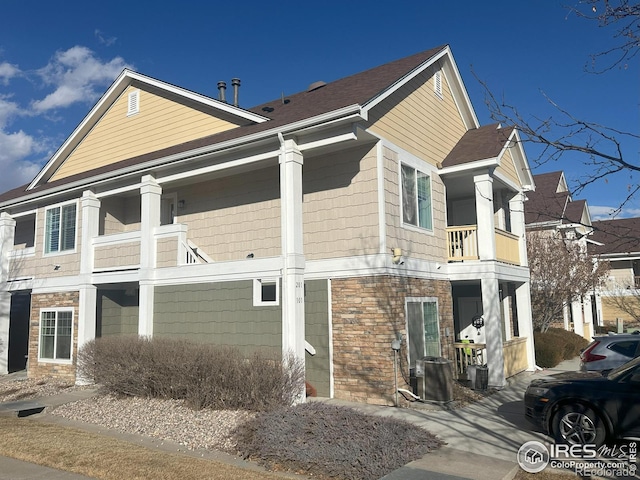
x=317 y=334
x=117 y=312
x=217 y=313
x=223 y=314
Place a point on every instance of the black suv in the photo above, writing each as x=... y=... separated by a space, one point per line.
x=587 y=408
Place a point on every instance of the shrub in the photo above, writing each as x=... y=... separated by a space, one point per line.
x=556 y=345
x=326 y=440
x=204 y=376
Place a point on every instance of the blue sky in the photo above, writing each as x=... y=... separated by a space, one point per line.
x=57 y=58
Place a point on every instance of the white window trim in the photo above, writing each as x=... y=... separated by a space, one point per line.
x=426 y=171
x=257 y=292
x=420 y=300
x=63 y=361
x=133 y=106
x=44 y=236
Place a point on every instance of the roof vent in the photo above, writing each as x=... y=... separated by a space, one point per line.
x=235 y=82
x=316 y=85
x=267 y=109
x=222 y=86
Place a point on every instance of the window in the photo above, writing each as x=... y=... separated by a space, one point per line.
x=627 y=349
x=416 y=198
x=423 y=329
x=133 y=104
x=56 y=328
x=266 y=292
x=60 y=229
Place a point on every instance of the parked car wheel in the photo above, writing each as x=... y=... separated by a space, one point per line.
x=578 y=425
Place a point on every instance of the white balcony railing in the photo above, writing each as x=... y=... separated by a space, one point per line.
x=462 y=244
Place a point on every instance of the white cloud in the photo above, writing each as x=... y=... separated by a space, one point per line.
x=611 y=213
x=78 y=76
x=108 y=41
x=14 y=148
x=8 y=110
x=7 y=72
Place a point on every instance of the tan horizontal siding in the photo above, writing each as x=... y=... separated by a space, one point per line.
x=41 y=266
x=415 y=242
x=121 y=255
x=161 y=122
x=230 y=217
x=507 y=168
x=417 y=120
x=167 y=251
x=340 y=205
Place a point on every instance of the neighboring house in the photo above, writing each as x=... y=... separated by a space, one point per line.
x=332 y=220
x=618 y=242
x=551 y=208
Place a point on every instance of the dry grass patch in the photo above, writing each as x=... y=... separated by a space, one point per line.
x=104 y=457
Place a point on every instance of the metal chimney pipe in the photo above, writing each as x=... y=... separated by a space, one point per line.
x=235 y=82
x=222 y=86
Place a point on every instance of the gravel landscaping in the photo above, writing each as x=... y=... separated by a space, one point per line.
x=164 y=419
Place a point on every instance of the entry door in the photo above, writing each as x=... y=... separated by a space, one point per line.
x=468 y=307
x=423 y=329
x=168 y=209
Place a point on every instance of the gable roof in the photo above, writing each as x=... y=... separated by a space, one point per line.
x=611 y=237
x=350 y=95
x=124 y=80
x=552 y=202
x=481 y=143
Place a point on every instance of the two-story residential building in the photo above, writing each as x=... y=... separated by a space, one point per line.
x=327 y=223
x=618 y=300
x=551 y=208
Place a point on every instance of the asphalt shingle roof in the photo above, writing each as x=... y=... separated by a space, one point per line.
x=478 y=144
x=617 y=236
x=356 y=89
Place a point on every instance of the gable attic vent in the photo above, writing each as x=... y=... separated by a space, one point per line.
x=133 y=105
x=437 y=83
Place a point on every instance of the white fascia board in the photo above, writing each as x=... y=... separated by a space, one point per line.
x=25 y=213
x=220 y=271
x=218 y=167
x=203 y=99
x=520 y=158
x=507 y=181
x=476 y=164
x=468 y=114
x=375 y=264
x=113 y=92
x=188 y=155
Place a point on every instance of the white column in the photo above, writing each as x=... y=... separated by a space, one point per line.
x=566 y=317
x=7 y=235
x=578 y=319
x=485 y=218
x=505 y=307
x=90 y=206
x=493 y=331
x=588 y=314
x=293 y=316
x=525 y=321
x=516 y=211
x=151 y=194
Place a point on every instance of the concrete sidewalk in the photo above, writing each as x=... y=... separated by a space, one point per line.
x=482 y=439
